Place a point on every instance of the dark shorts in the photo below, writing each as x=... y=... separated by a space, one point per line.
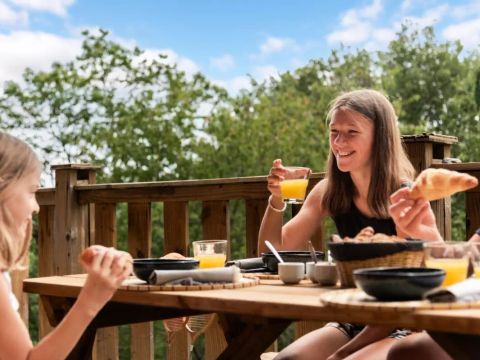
x=352 y=330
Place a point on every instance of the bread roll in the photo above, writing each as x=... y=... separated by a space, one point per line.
x=434 y=184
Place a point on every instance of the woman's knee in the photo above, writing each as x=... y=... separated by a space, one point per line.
x=411 y=347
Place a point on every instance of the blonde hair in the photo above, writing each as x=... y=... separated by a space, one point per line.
x=390 y=164
x=17 y=160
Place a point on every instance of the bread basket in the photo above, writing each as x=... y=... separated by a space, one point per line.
x=350 y=256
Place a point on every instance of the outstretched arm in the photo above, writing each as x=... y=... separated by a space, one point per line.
x=106 y=272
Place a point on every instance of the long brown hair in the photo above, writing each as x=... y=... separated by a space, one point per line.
x=390 y=165
x=17 y=160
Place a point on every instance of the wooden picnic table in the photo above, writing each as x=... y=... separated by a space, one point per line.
x=252 y=317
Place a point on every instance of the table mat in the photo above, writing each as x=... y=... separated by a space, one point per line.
x=135 y=284
x=356 y=299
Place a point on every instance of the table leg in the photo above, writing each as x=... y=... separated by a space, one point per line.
x=84 y=348
x=249 y=336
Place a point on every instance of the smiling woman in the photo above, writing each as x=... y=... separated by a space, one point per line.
x=366 y=165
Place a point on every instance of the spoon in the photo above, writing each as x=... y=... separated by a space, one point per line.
x=313 y=254
x=274 y=251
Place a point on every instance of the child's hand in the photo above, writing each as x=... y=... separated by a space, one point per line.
x=106 y=271
x=413 y=218
x=274 y=177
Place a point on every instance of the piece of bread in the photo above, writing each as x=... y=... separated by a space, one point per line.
x=173 y=255
x=89 y=253
x=434 y=184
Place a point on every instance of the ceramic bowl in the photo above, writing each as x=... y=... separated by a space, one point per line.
x=271 y=261
x=142 y=268
x=398 y=283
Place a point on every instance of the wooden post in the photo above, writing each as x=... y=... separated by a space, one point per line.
x=71 y=220
x=423 y=151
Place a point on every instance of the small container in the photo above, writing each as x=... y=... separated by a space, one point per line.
x=325 y=273
x=291 y=272
x=310 y=271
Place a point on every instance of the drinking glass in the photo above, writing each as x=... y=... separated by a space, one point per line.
x=475 y=258
x=210 y=253
x=451 y=256
x=294 y=185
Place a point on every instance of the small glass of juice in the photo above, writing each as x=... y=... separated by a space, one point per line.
x=294 y=185
x=451 y=256
x=210 y=253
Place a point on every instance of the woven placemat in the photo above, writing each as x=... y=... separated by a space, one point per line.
x=356 y=299
x=134 y=284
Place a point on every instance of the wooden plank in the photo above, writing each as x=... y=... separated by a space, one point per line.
x=139 y=246
x=216 y=221
x=106 y=344
x=45 y=254
x=185 y=190
x=45 y=196
x=175 y=214
x=254 y=211
x=472 y=213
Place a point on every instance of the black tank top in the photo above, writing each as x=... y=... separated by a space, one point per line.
x=350 y=223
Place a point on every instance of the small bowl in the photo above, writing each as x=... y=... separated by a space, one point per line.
x=398 y=283
x=271 y=261
x=348 y=251
x=142 y=268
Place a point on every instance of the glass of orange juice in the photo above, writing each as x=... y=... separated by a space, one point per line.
x=294 y=185
x=210 y=253
x=451 y=256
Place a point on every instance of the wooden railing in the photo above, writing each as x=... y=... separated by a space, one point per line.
x=78 y=212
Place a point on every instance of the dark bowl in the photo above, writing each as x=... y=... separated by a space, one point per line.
x=144 y=267
x=397 y=283
x=271 y=261
x=347 y=251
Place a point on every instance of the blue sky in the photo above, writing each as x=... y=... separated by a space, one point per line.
x=224 y=39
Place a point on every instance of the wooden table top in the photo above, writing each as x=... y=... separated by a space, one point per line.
x=271 y=299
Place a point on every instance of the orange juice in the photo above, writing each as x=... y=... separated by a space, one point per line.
x=477 y=272
x=455 y=269
x=211 y=261
x=293 y=189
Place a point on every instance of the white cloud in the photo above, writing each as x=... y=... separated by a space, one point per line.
x=352 y=35
x=276 y=44
x=406 y=4
x=430 y=17
x=10 y=17
x=37 y=50
x=371 y=11
x=262 y=73
x=57 y=7
x=223 y=63
x=467 y=32
x=466 y=10
x=356 y=25
x=234 y=85
x=183 y=63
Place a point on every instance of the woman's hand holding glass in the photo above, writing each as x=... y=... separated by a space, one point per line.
x=414 y=218
x=287 y=184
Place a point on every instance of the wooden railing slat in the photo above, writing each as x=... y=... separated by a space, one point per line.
x=106 y=343
x=139 y=246
x=254 y=210
x=175 y=214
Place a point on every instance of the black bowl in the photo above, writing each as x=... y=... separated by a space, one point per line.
x=144 y=267
x=271 y=261
x=397 y=283
x=347 y=251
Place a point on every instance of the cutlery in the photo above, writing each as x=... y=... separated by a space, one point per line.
x=312 y=252
x=274 y=251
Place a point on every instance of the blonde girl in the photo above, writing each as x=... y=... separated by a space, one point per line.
x=19 y=180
